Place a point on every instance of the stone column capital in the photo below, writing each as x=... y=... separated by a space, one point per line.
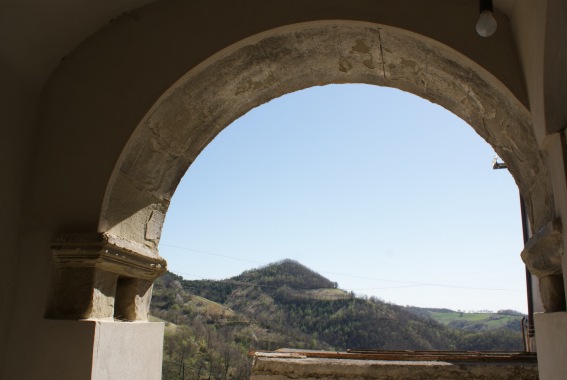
x=110 y=253
x=102 y=276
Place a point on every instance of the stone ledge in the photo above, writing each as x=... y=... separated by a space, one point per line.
x=278 y=368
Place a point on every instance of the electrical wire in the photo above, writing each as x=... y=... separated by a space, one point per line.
x=410 y=284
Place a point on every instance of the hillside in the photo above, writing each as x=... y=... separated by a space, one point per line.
x=286 y=304
x=474 y=322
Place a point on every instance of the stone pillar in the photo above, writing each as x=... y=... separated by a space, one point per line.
x=102 y=288
x=551 y=335
x=544 y=255
x=95 y=350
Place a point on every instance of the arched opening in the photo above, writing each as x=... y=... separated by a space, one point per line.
x=216 y=93
x=225 y=87
x=208 y=98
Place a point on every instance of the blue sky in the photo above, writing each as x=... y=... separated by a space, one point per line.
x=382 y=191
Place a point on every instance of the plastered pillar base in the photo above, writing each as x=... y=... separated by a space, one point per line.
x=99 y=350
x=551 y=335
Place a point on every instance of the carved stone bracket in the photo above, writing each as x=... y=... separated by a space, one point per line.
x=100 y=276
x=542 y=252
x=542 y=255
x=109 y=253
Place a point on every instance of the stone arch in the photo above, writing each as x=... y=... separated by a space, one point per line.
x=254 y=71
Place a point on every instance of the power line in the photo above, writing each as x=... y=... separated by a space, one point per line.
x=445 y=286
x=410 y=284
x=211 y=253
x=347 y=290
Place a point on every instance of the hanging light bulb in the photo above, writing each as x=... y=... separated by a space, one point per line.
x=486 y=24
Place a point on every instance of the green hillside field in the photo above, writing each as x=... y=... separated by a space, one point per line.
x=474 y=321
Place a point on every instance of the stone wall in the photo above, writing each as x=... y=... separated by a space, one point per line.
x=283 y=368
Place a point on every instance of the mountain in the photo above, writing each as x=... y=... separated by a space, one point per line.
x=212 y=324
x=288 y=273
x=287 y=296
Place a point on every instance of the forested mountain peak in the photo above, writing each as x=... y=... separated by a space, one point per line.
x=286 y=272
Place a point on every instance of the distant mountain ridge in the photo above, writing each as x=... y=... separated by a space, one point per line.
x=292 y=300
x=212 y=324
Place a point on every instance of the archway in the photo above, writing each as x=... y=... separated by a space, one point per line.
x=210 y=97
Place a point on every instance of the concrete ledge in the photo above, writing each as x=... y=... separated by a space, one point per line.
x=92 y=350
x=551 y=335
x=127 y=350
x=274 y=368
